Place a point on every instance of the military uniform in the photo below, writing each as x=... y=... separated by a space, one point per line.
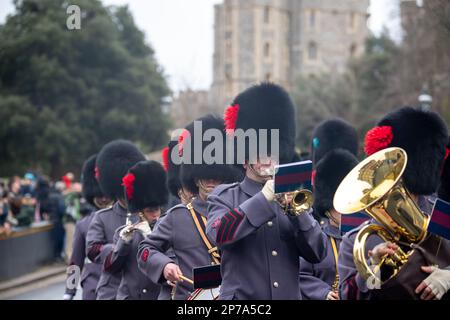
x=90 y=271
x=111 y=165
x=335 y=144
x=260 y=245
x=177 y=231
x=134 y=285
x=99 y=241
x=426 y=151
x=316 y=280
x=145 y=187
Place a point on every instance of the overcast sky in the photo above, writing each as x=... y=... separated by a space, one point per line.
x=181 y=32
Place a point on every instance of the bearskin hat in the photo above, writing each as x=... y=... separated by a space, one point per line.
x=113 y=163
x=264 y=106
x=90 y=186
x=191 y=171
x=333 y=134
x=330 y=171
x=172 y=169
x=423 y=135
x=145 y=186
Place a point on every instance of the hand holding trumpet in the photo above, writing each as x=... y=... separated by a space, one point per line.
x=285 y=199
x=126 y=234
x=293 y=203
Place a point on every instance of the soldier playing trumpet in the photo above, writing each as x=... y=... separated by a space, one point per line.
x=146 y=191
x=253 y=232
x=112 y=164
x=182 y=228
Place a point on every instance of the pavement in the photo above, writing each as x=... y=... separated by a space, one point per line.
x=47 y=283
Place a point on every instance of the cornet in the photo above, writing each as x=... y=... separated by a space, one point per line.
x=295 y=202
x=143 y=225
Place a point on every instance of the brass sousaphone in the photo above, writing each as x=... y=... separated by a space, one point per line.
x=375 y=186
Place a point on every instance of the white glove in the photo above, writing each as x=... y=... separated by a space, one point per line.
x=268 y=190
x=333 y=295
x=67 y=296
x=380 y=250
x=144 y=228
x=126 y=234
x=438 y=281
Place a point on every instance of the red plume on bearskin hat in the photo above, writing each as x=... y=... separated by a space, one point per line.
x=264 y=106
x=145 y=186
x=423 y=135
x=190 y=172
x=165 y=158
x=113 y=162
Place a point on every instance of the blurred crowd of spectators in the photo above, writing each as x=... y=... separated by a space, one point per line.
x=32 y=200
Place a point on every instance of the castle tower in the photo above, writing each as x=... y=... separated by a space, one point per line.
x=280 y=40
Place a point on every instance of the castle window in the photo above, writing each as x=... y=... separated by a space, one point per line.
x=228 y=16
x=312 y=51
x=353 y=48
x=267 y=50
x=268 y=77
x=228 y=70
x=312 y=19
x=228 y=50
x=266 y=14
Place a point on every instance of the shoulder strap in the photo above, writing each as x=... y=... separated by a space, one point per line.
x=336 y=255
x=335 y=251
x=200 y=223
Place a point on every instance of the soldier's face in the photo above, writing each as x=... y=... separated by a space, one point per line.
x=206 y=186
x=185 y=195
x=152 y=214
x=264 y=168
x=102 y=202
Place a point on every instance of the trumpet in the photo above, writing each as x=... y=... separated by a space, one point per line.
x=295 y=202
